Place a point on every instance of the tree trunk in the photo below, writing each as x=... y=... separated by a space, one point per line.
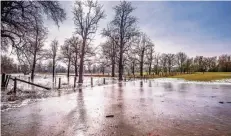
x=76 y=64
x=82 y=61
x=113 y=68
x=53 y=70
x=150 y=68
x=157 y=71
x=141 y=63
x=133 y=68
x=141 y=69
x=33 y=67
x=68 y=68
x=121 y=63
x=76 y=70
x=113 y=60
x=35 y=53
x=103 y=70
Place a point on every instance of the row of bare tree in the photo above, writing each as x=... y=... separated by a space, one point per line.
x=125 y=50
x=154 y=64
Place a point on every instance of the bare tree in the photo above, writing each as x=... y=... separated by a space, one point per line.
x=132 y=60
x=188 y=64
x=109 y=49
x=157 y=61
x=17 y=19
x=211 y=63
x=200 y=63
x=52 y=54
x=75 y=45
x=170 y=61
x=181 y=58
x=142 y=44
x=66 y=54
x=103 y=63
x=32 y=46
x=150 y=57
x=224 y=63
x=124 y=24
x=8 y=65
x=163 y=62
x=86 y=25
x=89 y=66
x=25 y=69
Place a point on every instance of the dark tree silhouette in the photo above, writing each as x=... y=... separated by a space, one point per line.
x=17 y=19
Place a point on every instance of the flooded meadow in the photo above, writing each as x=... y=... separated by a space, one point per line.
x=162 y=107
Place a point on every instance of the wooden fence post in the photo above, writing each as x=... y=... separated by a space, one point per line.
x=7 y=82
x=3 y=79
x=91 y=81
x=59 y=83
x=15 y=85
x=74 y=81
x=104 y=82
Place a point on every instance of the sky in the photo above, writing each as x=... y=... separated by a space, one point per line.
x=196 y=27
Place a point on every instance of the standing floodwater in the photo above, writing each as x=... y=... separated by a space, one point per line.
x=138 y=108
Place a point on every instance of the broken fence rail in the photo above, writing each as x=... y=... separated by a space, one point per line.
x=47 y=88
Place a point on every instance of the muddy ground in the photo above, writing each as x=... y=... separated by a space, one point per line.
x=139 y=108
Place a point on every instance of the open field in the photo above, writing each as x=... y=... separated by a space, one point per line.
x=207 y=76
x=197 y=76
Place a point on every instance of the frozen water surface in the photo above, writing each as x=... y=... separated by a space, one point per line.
x=163 y=107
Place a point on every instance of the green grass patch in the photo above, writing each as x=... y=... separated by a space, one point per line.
x=207 y=76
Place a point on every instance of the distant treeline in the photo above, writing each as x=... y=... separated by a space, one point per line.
x=161 y=63
x=9 y=66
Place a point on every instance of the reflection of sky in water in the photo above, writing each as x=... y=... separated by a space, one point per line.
x=156 y=87
x=137 y=107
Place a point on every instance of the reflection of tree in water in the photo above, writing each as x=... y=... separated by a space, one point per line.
x=150 y=83
x=68 y=80
x=113 y=91
x=183 y=87
x=150 y=88
x=141 y=87
x=168 y=86
x=82 y=110
x=201 y=86
x=141 y=83
x=76 y=118
x=59 y=92
x=120 y=95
